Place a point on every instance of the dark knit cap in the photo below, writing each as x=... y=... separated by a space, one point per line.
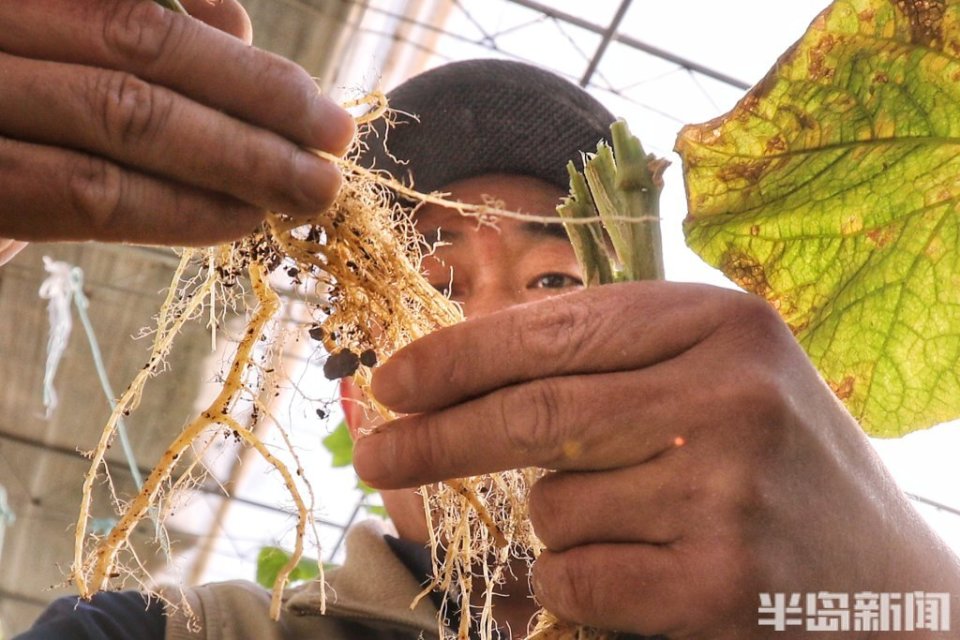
x=487 y=116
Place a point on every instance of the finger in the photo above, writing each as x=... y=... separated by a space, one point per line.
x=8 y=249
x=182 y=54
x=651 y=503
x=627 y=420
x=611 y=328
x=97 y=200
x=118 y=116
x=226 y=15
x=644 y=589
x=588 y=422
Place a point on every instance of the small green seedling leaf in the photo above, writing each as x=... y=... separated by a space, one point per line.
x=832 y=190
x=271 y=560
x=340 y=445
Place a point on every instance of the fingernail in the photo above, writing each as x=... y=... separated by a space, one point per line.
x=393 y=380
x=318 y=181
x=333 y=127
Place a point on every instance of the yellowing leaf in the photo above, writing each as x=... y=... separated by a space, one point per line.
x=832 y=188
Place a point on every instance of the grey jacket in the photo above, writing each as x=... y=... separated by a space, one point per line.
x=368 y=597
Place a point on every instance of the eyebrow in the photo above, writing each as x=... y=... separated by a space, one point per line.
x=543 y=229
x=535 y=230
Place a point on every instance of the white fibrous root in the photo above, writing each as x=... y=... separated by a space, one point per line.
x=360 y=262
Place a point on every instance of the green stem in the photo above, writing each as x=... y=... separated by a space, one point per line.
x=622 y=187
x=639 y=180
x=587 y=238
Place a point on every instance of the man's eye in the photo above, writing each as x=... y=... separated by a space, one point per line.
x=555 y=281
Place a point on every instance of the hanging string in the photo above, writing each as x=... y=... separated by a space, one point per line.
x=6 y=515
x=63 y=286
x=57 y=290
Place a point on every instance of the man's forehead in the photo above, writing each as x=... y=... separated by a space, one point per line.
x=448 y=225
x=522 y=195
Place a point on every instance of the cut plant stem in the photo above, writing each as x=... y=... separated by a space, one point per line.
x=587 y=239
x=624 y=189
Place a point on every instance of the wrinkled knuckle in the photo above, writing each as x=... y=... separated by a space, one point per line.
x=133 y=112
x=530 y=417
x=302 y=90
x=139 y=31
x=758 y=319
x=427 y=452
x=555 y=334
x=739 y=493
x=760 y=393
x=94 y=192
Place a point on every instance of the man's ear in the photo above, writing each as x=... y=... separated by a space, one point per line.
x=351 y=402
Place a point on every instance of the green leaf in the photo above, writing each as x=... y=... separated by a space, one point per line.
x=377 y=510
x=365 y=488
x=340 y=445
x=832 y=189
x=271 y=560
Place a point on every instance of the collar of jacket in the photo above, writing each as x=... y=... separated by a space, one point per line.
x=373 y=584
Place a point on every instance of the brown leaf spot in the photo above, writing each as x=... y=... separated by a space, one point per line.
x=776 y=144
x=880 y=237
x=844 y=388
x=881 y=78
x=804 y=119
x=797 y=327
x=748 y=104
x=816 y=58
x=754 y=230
x=749 y=171
x=926 y=20
x=746 y=272
x=866 y=15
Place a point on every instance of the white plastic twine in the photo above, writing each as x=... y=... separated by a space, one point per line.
x=6 y=514
x=57 y=289
x=62 y=287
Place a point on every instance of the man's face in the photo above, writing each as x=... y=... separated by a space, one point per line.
x=486 y=268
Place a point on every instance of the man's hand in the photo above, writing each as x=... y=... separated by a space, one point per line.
x=698 y=458
x=122 y=121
